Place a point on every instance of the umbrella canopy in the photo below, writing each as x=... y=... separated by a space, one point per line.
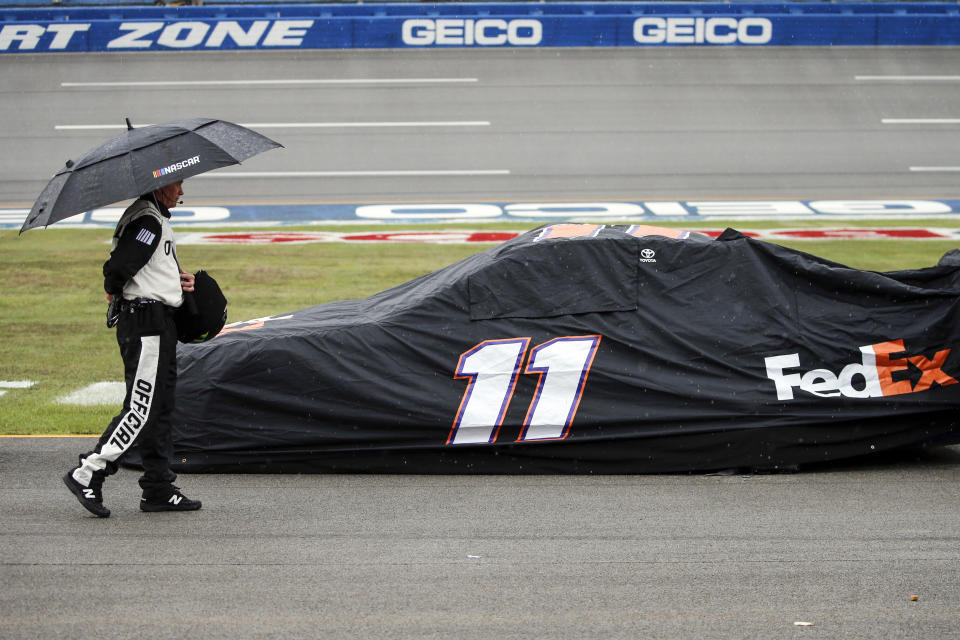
x=141 y=160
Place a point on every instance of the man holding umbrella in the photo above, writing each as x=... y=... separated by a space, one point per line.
x=144 y=283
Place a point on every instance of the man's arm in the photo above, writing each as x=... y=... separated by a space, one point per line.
x=134 y=248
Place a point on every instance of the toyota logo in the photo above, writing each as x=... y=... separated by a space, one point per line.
x=647 y=254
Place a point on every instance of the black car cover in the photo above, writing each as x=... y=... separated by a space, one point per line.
x=586 y=349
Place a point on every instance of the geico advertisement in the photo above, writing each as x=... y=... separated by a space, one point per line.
x=529 y=32
x=144 y=29
x=145 y=34
x=412 y=32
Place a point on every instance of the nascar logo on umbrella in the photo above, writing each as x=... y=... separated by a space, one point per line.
x=177 y=166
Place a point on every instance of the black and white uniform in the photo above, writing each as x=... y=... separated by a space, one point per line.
x=143 y=269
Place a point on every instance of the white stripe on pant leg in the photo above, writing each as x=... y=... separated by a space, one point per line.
x=130 y=425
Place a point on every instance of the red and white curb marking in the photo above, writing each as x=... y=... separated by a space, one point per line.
x=857 y=233
x=307 y=237
x=494 y=237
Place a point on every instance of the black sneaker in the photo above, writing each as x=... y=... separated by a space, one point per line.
x=90 y=497
x=175 y=501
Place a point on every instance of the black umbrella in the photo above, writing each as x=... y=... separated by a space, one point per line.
x=141 y=160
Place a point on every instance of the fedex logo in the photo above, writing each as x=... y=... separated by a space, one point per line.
x=872 y=377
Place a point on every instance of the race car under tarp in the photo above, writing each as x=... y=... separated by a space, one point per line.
x=587 y=349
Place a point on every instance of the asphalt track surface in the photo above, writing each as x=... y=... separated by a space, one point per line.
x=565 y=124
x=490 y=557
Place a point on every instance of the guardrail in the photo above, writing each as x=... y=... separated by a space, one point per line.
x=415 y=25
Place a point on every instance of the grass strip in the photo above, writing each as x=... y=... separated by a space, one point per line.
x=52 y=303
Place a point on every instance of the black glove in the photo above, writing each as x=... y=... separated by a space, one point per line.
x=113 y=312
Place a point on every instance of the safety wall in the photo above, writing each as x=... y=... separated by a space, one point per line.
x=387 y=26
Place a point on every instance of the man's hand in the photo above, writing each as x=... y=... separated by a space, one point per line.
x=186 y=281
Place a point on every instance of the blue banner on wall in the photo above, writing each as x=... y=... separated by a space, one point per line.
x=476 y=25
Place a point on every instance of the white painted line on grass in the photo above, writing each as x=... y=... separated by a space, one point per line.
x=917 y=78
x=355 y=174
x=269 y=82
x=920 y=120
x=298 y=125
x=935 y=169
x=96 y=394
x=16 y=384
